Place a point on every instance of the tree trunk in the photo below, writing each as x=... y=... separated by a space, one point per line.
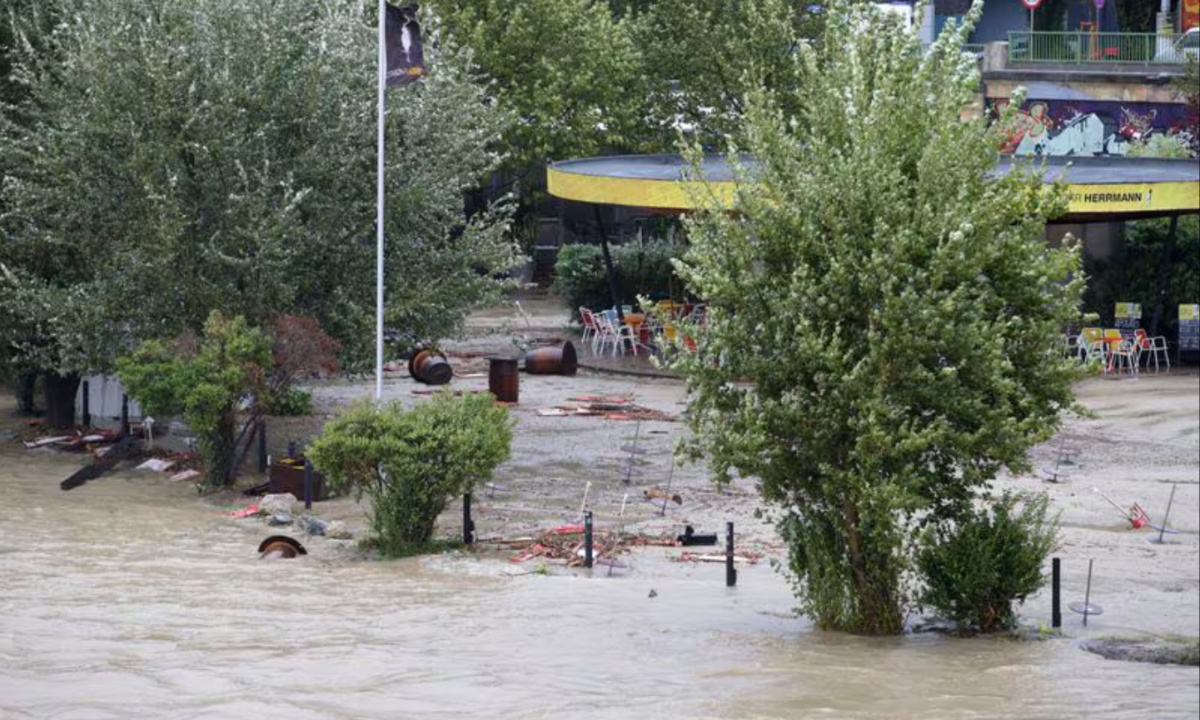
x=219 y=451
x=26 y=400
x=877 y=611
x=60 y=399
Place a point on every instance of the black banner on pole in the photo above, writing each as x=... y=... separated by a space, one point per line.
x=405 y=54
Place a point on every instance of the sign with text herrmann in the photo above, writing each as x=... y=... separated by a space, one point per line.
x=1134 y=197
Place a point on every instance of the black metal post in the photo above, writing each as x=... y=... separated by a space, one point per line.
x=730 y=570
x=587 y=539
x=262 y=447
x=1087 y=596
x=608 y=265
x=87 y=404
x=1056 y=593
x=124 y=415
x=307 y=484
x=468 y=523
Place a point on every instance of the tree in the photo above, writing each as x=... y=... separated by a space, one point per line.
x=179 y=156
x=205 y=380
x=884 y=315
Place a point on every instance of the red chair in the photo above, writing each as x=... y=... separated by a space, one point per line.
x=1152 y=345
x=590 y=327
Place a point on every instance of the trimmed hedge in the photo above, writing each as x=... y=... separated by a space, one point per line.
x=640 y=268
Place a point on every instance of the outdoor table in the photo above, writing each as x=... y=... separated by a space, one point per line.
x=637 y=323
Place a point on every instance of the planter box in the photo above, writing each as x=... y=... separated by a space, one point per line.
x=288 y=477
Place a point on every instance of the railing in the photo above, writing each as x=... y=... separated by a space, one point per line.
x=1098 y=47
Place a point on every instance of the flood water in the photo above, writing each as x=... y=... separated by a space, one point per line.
x=131 y=598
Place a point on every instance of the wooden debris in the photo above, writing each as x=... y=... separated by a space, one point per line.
x=609 y=411
x=743 y=557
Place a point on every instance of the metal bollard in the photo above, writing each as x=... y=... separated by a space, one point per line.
x=1056 y=593
x=262 y=447
x=124 y=415
x=587 y=539
x=307 y=484
x=730 y=570
x=468 y=523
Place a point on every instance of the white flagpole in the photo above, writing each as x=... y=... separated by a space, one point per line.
x=379 y=211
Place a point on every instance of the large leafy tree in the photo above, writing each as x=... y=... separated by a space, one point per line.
x=567 y=69
x=701 y=57
x=884 y=314
x=174 y=157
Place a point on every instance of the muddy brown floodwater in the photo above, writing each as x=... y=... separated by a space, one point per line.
x=131 y=597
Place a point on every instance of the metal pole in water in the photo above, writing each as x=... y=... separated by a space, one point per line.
x=124 y=415
x=307 y=484
x=468 y=523
x=1087 y=595
x=587 y=539
x=1167 y=515
x=730 y=570
x=262 y=447
x=1055 y=593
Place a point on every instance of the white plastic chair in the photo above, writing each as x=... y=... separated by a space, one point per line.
x=613 y=333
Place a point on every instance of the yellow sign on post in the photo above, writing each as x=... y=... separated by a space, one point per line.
x=1189 y=328
x=1129 y=311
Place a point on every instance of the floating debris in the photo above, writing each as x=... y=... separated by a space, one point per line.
x=280 y=546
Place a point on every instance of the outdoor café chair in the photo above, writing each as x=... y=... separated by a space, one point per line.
x=590 y=329
x=1121 y=352
x=1153 y=346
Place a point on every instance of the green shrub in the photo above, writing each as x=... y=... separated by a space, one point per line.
x=639 y=267
x=411 y=463
x=992 y=559
x=581 y=277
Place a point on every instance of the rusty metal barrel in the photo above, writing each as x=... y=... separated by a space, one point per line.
x=552 y=360
x=424 y=366
x=504 y=380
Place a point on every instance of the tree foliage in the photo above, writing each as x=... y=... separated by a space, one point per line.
x=883 y=313
x=205 y=380
x=173 y=157
x=411 y=463
x=701 y=57
x=567 y=69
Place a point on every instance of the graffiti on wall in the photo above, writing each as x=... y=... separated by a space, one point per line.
x=1090 y=127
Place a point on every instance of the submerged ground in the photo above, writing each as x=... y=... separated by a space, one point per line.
x=133 y=597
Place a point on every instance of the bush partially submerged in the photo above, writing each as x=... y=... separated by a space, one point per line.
x=206 y=381
x=411 y=463
x=977 y=570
